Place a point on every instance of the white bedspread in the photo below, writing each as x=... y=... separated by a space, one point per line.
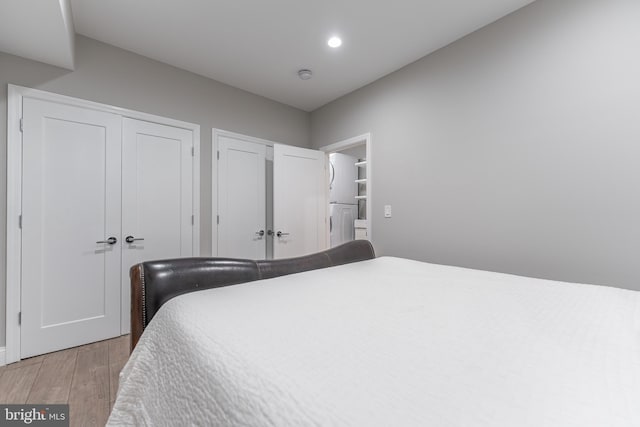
x=389 y=342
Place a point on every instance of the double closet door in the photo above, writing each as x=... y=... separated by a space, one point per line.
x=100 y=192
x=271 y=199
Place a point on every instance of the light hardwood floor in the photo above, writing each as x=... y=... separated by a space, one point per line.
x=85 y=377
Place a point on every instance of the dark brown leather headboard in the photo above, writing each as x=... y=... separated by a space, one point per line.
x=155 y=282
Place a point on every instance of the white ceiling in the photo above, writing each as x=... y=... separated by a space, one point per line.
x=255 y=45
x=38 y=30
x=259 y=45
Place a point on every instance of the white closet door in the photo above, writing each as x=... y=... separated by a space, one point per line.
x=299 y=201
x=70 y=209
x=241 y=199
x=157 y=197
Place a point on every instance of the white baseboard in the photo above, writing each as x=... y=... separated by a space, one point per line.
x=3 y=359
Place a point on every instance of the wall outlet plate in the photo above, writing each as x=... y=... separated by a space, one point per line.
x=387 y=211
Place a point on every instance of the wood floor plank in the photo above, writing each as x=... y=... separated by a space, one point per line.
x=119 y=348
x=100 y=345
x=118 y=356
x=86 y=377
x=53 y=383
x=15 y=383
x=26 y=362
x=89 y=400
x=114 y=378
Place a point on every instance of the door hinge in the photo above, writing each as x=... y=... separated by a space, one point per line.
x=21 y=124
x=193 y=219
x=19 y=318
x=218 y=154
x=20 y=221
x=217 y=219
x=193 y=151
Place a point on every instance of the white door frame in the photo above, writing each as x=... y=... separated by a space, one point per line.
x=14 y=193
x=344 y=145
x=215 y=137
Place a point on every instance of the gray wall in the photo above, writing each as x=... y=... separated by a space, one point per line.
x=515 y=149
x=117 y=77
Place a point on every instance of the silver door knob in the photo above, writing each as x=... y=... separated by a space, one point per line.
x=260 y=233
x=280 y=234
x=110 y=241
x=131 y=239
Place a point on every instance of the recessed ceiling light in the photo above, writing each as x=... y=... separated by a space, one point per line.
x=334 y=42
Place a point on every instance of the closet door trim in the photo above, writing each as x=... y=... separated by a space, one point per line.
x=14 y=191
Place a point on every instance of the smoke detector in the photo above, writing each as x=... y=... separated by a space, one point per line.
x=305 y=74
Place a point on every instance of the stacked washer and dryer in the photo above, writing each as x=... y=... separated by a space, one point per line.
x=343 y=204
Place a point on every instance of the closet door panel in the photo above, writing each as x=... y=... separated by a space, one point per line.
x=157 y=186
x=71 y=203
x=242 y=212
x=299 y=201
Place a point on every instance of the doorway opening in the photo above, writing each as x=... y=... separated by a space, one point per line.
x=349 y=190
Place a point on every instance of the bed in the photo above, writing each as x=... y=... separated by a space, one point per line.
x=342 y=338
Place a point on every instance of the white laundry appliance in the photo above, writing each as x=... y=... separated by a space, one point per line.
x=343 y=205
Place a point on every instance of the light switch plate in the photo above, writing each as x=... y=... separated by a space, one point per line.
x=387 y=211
